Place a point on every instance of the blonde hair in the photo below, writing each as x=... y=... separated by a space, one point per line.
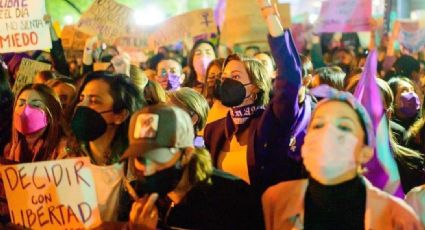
x=138 y=77
x=190 y=100
x=257 y=74
x=200 y=167
x=154 y=93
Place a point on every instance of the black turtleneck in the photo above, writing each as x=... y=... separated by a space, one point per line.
x=339 y=206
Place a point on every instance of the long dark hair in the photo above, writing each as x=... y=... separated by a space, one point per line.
x=53 y=133
x=126 y=96
x=190 y=81
x=6 y=107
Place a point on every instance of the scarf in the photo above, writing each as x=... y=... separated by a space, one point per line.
x=242 y=114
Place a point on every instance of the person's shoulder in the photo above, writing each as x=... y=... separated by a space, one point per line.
x=217 y=122
x=286 y=198
x=417 y=194
x=219 y=176
x=215 y=126
x=285 y=188
x=396 y=208
x=417 y=190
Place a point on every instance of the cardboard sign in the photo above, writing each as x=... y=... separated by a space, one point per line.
x=51 y=194
x=243 y=22
x=285 y=14
x=344 y=16
x=106 y=18
x=27 y=70
x=22 y=27
x=190 y=24
x=134 y=45
x=73 y=38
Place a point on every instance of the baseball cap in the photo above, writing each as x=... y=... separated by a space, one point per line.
x=157 y=131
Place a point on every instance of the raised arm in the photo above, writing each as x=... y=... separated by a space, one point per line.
x=57 y=53
x=289 y=76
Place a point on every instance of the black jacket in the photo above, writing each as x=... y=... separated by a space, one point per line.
x=227 y=203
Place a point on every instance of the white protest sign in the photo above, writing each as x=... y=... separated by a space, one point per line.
x=22 y=27
x=51 y=194
x=27 y=70
x=134 y=45
x=190 y=24
x=344 y=16
x=108 y=19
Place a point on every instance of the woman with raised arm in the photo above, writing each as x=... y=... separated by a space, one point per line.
x=257 y=140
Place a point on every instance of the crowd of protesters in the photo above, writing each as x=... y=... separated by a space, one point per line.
x=265 y=139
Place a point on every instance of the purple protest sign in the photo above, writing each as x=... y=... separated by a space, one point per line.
x=344 y=16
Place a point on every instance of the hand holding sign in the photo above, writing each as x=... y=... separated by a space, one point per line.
x=51 y=194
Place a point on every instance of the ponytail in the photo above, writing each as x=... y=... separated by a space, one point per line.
x=200 y=167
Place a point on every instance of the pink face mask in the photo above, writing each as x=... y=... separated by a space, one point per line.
x=201 y=65
x=31 y=120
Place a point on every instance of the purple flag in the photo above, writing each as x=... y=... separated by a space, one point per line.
x=382 y=169
x=219 y=13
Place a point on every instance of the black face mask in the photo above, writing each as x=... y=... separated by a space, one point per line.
x=345 y=67
x=216 y=89
x=161 y=182
x=87 y=124
x=232 y=92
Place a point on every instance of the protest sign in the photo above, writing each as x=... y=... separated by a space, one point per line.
x=107 y=19
x=190 y=24
x=27 y=70
x=243 y=22
x=73 y=38
x=285 y=14
x=22 y=27
x=67 y=36
x=344 y=16
x=51 y=194
x=413 y=41
x=407 y=25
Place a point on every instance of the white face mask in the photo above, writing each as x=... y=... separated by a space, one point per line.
x=328 y=153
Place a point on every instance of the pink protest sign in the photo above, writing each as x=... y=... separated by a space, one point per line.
x=344 y=16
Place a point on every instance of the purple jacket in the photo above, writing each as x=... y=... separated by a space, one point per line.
x=273 y=155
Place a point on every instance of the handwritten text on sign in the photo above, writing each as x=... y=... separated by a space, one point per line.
x=26 y=73
x=52 y=194
x=106 y=18
x=345 y=16
x=177 y=28
x=22 y=27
